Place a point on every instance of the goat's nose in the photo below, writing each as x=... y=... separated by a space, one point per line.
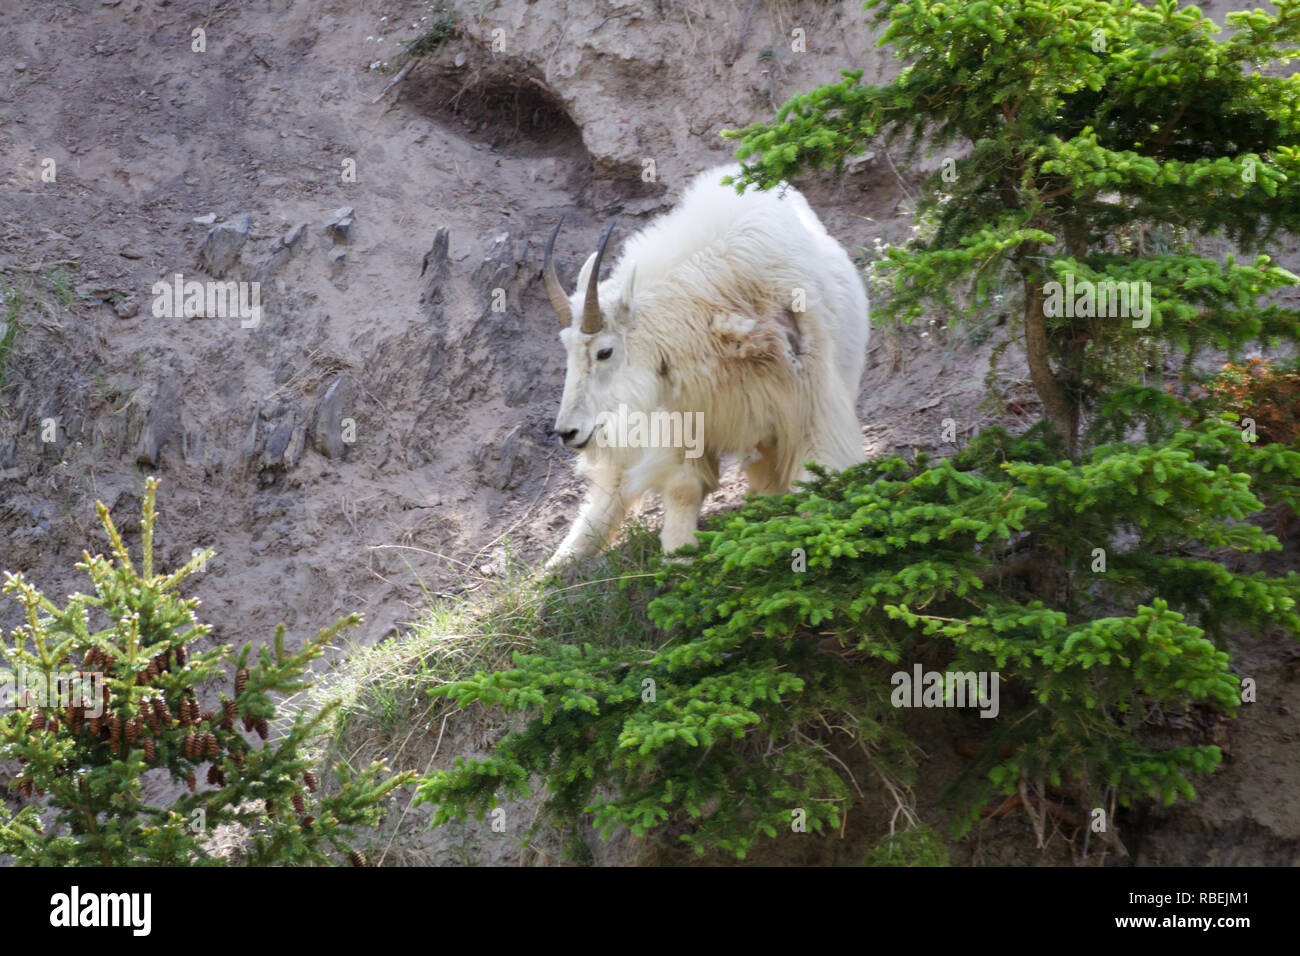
x=568 y=436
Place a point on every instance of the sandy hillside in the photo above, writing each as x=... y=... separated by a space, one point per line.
x=460 y=170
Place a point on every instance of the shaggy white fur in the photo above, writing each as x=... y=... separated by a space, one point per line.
x=740 y=308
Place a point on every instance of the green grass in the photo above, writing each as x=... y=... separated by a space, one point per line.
x=58 y=281
x=21 y=295
x=441 y=29
x=387 y=712
x=916 y=846
x=386 y=709
x=13 y=308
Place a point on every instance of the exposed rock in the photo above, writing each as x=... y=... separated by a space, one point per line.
x=283 y=446
x=278 y=441
x=497 y=564
x=434 y=268
x=282 y=250
x=500 y=265
x=98 y=290
x=339 y=227
x=509 y=459
x=293 y=239
x=326 y=432
x=159 y=423
x=222 y=244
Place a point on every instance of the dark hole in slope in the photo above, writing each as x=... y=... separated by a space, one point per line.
x=509 y=110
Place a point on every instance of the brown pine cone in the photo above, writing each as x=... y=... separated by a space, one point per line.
x=356 y=859
x=150 y=751
x=38 y=721
x=263 y=730
x=228 y=712
x=191 y=782
x=241 y=680
x=299 y=805
x=191 y=748
x=210 y=745
x=133 y=729
x=309 y=778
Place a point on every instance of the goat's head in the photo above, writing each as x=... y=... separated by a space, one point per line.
x=601 y=374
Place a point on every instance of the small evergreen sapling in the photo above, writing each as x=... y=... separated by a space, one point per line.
x=83 y=759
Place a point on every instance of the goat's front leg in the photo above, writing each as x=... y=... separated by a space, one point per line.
x=601 y=515
x=683 y=496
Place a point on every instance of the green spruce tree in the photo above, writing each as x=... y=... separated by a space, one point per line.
x=1086 y=146
x=112 y=687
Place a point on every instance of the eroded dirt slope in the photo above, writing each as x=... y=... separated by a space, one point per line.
x=533 y=111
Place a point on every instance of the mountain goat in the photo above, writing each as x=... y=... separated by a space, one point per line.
x=732 y=325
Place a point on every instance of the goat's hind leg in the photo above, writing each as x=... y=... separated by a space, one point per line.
x=764 y=472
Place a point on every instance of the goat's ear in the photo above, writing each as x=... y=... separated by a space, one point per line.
x=625 y=299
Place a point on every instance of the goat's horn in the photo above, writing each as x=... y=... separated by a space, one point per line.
x=559 y=301
x=592 y=320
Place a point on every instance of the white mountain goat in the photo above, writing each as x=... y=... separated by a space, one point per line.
x=733 y=325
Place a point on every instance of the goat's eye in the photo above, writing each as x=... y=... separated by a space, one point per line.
x=604 y=354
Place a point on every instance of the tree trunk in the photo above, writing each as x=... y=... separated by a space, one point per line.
x=1061 y=411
